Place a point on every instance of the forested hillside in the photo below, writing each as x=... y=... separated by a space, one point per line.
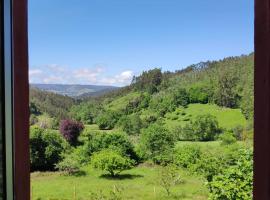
x=179 y=129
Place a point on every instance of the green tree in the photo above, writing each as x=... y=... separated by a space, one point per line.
x=111 y=162
x=155 y=140
x=205 y=127
x=46 y=148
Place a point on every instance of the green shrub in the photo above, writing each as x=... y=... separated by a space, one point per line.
x=111 y=161
x=155 y=140
x=235 y=182
x=46 y=147
x=205 y=127
x=107 y=120
x=115 y=140
x=131 y=124
x=168 y=177
x=187 y=155
x=227 y=138
x=69 y=165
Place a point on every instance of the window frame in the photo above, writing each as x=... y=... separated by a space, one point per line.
x=17 y=25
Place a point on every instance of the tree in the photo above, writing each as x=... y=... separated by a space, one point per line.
x=111 y=162
x=107 y=120
x=235 y=182
x=226 y=94
x=71 y=130
x=156 y=140
x=46 y=147
x=205 y=127
x=168 y=177
x=148 y=81
x=131 y=124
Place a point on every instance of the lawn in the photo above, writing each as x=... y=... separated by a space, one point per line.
x=140 y=183
x=227 y=118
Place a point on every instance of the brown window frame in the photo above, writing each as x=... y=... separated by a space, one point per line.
x=262 y=100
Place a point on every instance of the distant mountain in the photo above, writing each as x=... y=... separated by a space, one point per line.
x=76 y=91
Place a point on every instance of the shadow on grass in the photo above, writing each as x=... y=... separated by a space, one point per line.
x=121 y=176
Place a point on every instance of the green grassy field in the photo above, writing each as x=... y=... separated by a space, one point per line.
x=140 y=183
x=227 y=117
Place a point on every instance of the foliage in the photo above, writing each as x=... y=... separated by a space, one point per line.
x=111 y=162
x=55 y=105
x=148 y=81
x=227 y=138
x=69 y=165
x=235 y=182
x=34 y=109
x=199 y=94
x=155 y=140
x=168 y=177
x=46 y=148
x=205 y=127
x=115 y=140
x=107 y=120
x=226 y=94
x=86 y=112
x=71 y=130
x=187 y=155
x=131 y=124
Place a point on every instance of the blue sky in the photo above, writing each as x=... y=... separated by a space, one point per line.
x=106 y=42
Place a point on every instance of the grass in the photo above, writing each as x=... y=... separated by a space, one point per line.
x=227 y=118
x=121 y=102
x=140 y=183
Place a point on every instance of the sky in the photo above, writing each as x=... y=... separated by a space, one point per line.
x=107 y=42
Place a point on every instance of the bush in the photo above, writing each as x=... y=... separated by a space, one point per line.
x=111 y=162
x=168 y=177
x=227 y=138
x=71 y=130
x=234 y=182
x=181 y=97
x=114 y=140
x=198 y=95
x=187 y=155
x=205 y=127
x=155 y=140
x=131 y=124
x=107 y=120
x=69 y=165
x=46 y=147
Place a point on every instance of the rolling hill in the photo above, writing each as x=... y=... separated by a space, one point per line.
x=76 y=91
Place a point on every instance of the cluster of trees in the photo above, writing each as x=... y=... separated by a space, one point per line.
x=59 y=141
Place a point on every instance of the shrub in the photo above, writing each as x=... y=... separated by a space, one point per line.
x=131 y=124
x=155 y=140
x=209 y=165
x=235 y=182
x=46 y=147
x=205 y=127
x=111 y=162
x=71 y=130
x=227 y=138
x=181 y=97
x=168 y=177
x=198 y=95
x=187 y=155
x=107 y=120
x=114 y=140
x=69 y=165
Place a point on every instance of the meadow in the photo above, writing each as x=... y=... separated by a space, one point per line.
x=186 y=134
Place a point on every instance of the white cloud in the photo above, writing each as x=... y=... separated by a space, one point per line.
x=53 y=79
x=34 y=72
x=56 y=67
x=89 y=75
x=124 y=78
x=54 y=73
